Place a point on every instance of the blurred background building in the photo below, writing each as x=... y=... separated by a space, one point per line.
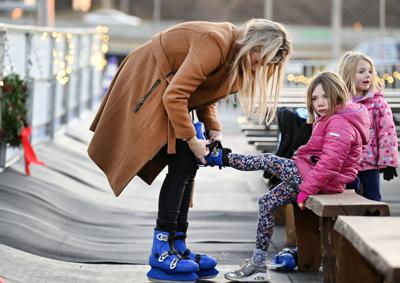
x=68 y=50
x=321 y=30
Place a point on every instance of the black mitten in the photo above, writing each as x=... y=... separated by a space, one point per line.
x=388 y=173
x=225 y=159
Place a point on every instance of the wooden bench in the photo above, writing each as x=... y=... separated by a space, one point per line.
x=367 y=249
x=314 y=227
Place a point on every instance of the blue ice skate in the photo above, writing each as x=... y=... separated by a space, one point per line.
x=159 y=275
x=167 y=264
x=206 y=263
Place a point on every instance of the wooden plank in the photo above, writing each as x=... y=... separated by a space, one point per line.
x=308 y=240
x=328 y=249
x=251 y=126
x=377 y=239
x=256 y=133
x=346 y=203
x=349 y=260
x=290 y=226
x=266 y=146
x=252 y=140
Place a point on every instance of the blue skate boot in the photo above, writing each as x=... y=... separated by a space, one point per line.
x=167 y=264
x=206 y=263
x=217 y=154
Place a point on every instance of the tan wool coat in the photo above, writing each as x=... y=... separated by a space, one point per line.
x=147 y=104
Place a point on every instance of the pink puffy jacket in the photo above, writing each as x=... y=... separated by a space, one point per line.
x=381 y=150
x=331 y=157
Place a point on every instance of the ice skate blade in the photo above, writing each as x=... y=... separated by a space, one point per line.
x=159 y=275
x=257 y=277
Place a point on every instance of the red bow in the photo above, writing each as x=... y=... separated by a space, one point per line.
x=29 y=153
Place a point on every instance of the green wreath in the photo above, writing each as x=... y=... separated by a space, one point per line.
x=13 y=99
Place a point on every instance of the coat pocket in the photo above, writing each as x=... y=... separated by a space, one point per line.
x=146 y=96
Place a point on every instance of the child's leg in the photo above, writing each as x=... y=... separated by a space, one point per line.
x=283 y=168
x=280 y=195
x=370 y=181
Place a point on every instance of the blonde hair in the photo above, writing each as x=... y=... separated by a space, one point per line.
x=335 y=89
x=259 y=90
x=347 y=69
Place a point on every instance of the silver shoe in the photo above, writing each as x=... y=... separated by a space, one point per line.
x=249 y=272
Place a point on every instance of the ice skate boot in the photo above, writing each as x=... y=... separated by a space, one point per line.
x=167 y=264
x=206 y=263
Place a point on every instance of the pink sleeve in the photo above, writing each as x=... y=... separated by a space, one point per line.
x=386 y=135
x=301 y=197
x=338 y=139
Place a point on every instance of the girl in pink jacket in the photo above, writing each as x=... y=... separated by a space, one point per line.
x=324 y=165
x=380 y=154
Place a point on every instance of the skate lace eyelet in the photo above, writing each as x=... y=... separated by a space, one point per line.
x=163 y=256
x=162 y=237
x=174 y=262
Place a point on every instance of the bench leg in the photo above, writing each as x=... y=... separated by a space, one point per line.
x=290 y=225
x=280 y=216
x=328 y=249
x=351 y=266
x=308 y=240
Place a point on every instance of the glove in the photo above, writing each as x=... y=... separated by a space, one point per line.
x=215 y=135
x=301 y=198
x=199 y=148
x=388 y=173
x=218 y=155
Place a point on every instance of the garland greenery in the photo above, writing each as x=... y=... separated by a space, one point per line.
x=13 y=100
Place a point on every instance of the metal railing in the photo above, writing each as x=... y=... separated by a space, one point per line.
x=63 y=72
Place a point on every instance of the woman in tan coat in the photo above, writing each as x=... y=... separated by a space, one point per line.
x=144 y=122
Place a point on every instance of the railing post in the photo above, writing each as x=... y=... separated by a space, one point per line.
x=156 y=11
x=78 y=88
x=66 y=93
x=336 y=25
x=268 y=9
x=3 y=146
x=90 y=103
x=28 y=77
x=52 y=90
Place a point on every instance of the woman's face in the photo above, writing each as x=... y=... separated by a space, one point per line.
x=320 y=101
x=254 y=60
x=363 y=76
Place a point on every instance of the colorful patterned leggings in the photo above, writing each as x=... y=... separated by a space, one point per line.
x=284 y=193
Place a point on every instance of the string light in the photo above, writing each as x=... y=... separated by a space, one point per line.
x=63 y=60
x=63 y=53
x=100 y=46
x=386 y=78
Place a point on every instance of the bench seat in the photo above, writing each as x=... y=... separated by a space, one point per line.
x=369 y=245
x=314 y=227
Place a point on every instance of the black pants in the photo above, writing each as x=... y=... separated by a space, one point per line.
x=176 y=190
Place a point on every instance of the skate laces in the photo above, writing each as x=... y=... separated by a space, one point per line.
x=162 y=237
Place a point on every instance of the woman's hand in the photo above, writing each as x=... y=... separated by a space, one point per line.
x=215 y=135
x=199 y=148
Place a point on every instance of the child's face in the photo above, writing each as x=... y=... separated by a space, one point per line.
x=320 y=101
x=363 y=76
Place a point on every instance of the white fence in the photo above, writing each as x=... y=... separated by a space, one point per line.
x=63 y=71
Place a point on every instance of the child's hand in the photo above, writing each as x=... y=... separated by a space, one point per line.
x=388 y=173
x=301 y=199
